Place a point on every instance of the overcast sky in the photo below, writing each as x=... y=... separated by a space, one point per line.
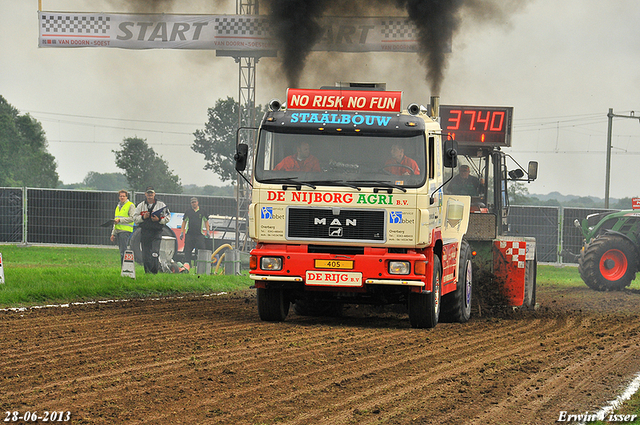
x=560 y=64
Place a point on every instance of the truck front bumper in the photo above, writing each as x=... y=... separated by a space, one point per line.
x=340 y=271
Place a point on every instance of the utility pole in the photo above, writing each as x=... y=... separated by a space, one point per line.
x=611 y=115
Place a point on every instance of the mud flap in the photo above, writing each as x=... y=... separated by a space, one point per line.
x=509 y=266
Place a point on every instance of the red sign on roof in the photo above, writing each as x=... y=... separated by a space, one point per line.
x=344 y=100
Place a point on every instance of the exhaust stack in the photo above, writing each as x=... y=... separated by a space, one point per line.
x=434 y=107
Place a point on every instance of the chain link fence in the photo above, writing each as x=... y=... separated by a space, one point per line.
x=539 y=222
x=73 y=217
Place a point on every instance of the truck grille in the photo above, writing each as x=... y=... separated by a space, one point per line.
x=336 y=224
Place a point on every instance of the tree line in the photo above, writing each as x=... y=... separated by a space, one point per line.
x=519 y=195
x=25 y=160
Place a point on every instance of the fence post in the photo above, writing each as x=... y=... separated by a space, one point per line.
x=25 y=216
x=560 y=233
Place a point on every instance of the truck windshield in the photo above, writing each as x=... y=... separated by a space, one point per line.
x=341 y=160
x=473 y=177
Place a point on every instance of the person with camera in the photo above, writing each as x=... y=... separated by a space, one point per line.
x=151 y=215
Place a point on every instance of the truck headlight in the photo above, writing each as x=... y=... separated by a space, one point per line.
x=399 y=267
x=271 y=263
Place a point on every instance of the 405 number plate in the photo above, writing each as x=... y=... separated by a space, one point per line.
x=334 y=264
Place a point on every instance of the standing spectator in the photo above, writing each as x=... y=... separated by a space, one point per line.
x=195 y=225
x=123 y=226
x=151 y=215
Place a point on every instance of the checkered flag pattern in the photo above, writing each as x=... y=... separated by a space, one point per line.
x=227 y=26
x=515 y=251
x=66 y=24
x=398 y=29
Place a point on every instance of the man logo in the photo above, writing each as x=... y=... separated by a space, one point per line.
x=335 y=232
x=334 y=222
x=266 y=213
x=395 y=217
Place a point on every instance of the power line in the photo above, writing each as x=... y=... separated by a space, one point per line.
x=95 y=142
x=111 y=119
x=181 y=133
x=575 y=123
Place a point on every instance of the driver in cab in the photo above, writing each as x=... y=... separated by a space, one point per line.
x=465 y=184
x=400 y=164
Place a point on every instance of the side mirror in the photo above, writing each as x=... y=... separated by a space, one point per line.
x=242 y=152
x=533 y=170
x=450 y=154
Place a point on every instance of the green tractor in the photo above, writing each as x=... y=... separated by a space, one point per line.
x=610 y=255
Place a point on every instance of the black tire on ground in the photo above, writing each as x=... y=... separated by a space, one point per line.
x=424 y=308
x=608 y=263
x=136 y=246
x=317 y=308
x=272 y=304
x=456 y=305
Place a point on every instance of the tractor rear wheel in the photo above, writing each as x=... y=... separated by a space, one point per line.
x=608 y=263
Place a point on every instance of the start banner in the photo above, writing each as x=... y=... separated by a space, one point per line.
x=217 y=32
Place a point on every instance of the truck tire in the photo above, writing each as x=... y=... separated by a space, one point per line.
x=272 y=304
x=608 y=263
x=424 y=308
x=456 y=305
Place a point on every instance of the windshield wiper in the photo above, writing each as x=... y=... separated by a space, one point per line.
x=337 y=182
x=380 y=183
x=288 y=181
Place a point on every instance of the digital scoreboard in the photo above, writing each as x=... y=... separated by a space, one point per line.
x=477 y=125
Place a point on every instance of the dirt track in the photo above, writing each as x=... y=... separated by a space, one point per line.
x=209 y=360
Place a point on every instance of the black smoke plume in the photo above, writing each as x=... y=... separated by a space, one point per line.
x=436 y=21
x=296 y=27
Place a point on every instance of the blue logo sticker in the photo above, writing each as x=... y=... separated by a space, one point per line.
x=395 y=217
x=266 y=213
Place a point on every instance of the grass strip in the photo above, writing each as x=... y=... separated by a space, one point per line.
x=49 y=275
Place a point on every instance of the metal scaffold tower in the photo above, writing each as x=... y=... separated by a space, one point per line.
x=247 y=61
x=247 y=72
x=246 y=118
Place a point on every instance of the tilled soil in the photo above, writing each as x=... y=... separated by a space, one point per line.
x=210 y=360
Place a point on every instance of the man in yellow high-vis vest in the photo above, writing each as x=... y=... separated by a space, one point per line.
x=123 y=222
